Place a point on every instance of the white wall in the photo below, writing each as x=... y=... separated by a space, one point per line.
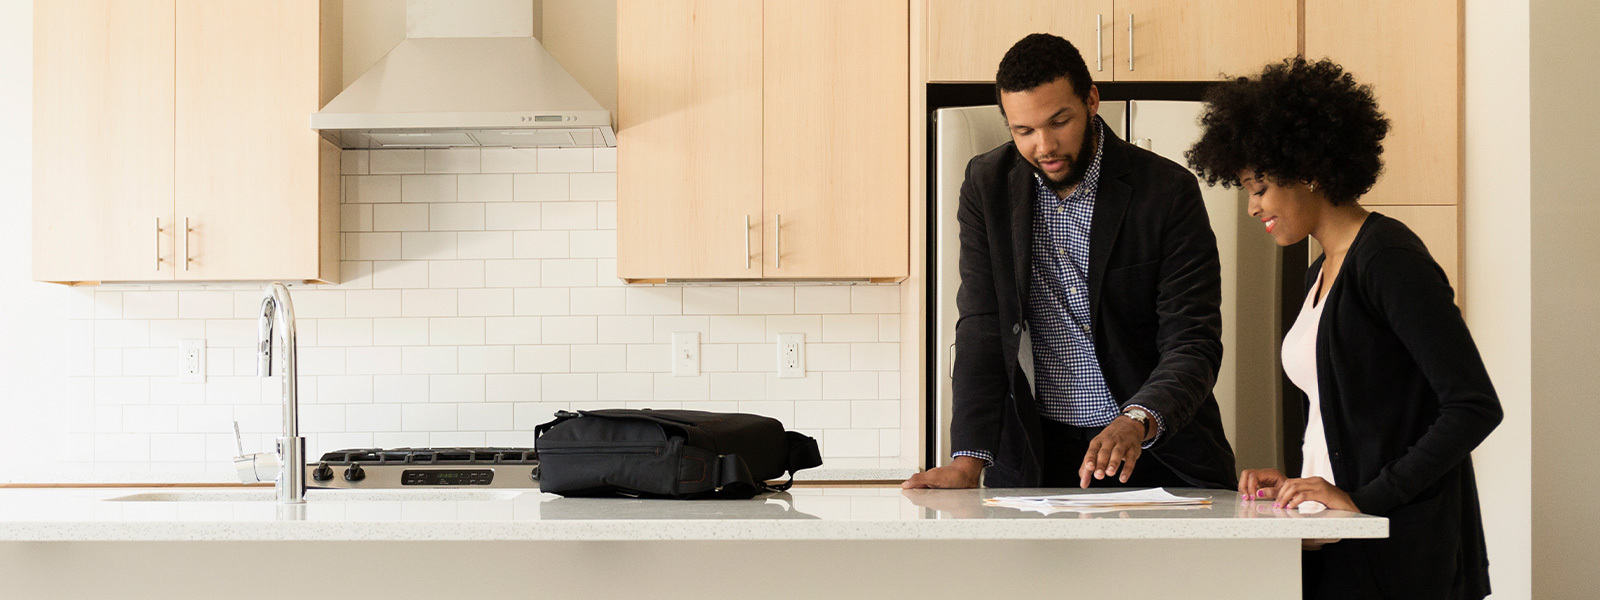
x=1495 y=282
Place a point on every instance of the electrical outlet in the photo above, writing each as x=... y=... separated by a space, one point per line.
x=791 y=355
x=192 y=361
x=686 y=354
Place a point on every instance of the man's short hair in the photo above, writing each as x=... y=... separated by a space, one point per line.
x=1038 y=59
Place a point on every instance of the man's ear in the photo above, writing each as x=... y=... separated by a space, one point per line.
x=1093 y=101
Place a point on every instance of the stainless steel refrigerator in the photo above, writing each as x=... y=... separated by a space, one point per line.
x=1247 y=386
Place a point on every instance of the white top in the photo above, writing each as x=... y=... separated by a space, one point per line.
x=1300 y=364
x=807 y=513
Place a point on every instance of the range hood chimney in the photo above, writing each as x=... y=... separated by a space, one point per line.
x=444 y=92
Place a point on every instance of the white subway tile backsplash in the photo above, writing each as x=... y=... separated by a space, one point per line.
x=455 y=274
x=509 y=439
x=774 y=300
x=463 y=216
x=543 y=359
x=542 y=244
x=518 y=217
x=456 y=388
x=431 y=245
x=850 y=328
x=484 y=244
x=399 y=389
x=486 y=417
x=372 y=189
x=428 y=417
x=541 y=301
x=459 y=331
x=541 y=187
x=479 y=295
x=594 y=244
x=395 y=161
x=599 y=358
x=400 y=217
x=594 y=187
x=822 y=299
x=875 y=299
x=450 y=160
x=605 y=159
x=486 y=302
x=484 y=188
x=654 y=300
x=875 y=357
x=486 y=359
x=510 y=160
x=427 y=188
x=566 y=160
x=354 y=162
x=824 y=414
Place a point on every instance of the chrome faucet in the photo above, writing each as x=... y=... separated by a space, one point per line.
x=276 y=308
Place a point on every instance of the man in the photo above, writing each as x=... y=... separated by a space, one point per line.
x=1090 y=329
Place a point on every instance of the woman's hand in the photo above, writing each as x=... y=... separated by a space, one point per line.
x=1258 y=484
x=1296 y=491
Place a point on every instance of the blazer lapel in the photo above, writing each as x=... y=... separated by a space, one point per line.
x=1020 y=188
x=1110 y=206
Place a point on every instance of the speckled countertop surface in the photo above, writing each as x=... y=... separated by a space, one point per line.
x=810 y=513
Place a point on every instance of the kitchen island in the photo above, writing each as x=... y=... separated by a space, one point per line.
x=810 y=542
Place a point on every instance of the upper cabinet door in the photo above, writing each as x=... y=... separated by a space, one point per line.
x=249 y=74
x=1410 y=53
x=1202 y=40
x=102 y=140
x=967 y=38
x=689 y=139
x=837 y=119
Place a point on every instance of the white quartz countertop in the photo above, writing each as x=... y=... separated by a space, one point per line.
x=806 y=513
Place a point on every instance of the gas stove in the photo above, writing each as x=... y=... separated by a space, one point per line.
x=373 y=468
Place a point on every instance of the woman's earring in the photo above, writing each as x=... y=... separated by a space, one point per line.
x=1313 y=186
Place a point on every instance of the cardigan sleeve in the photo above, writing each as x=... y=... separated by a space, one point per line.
x=1410 y=290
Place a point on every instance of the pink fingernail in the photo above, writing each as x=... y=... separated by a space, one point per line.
x=1261 y=493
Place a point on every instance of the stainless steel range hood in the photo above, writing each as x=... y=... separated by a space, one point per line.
x=468 y=91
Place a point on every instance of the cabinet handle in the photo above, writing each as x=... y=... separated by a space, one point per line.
x=186 y=231
x=158 y=244
x=1099 y=47
x=1130 y=41
x=952 y=361
x=777 y=243
x=747 y=242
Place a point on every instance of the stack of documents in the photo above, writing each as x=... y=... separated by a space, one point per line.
x=1104 y=502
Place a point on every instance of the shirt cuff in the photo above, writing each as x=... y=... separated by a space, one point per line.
x=1161 y=425
x=984 y=455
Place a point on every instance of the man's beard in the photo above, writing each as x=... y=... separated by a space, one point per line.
x=1077 y=166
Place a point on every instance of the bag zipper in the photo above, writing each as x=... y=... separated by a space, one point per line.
x=603 y=450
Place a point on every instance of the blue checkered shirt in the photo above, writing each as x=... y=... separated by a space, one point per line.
x=1068 y=385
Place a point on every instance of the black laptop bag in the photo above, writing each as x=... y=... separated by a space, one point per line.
x=683 y=454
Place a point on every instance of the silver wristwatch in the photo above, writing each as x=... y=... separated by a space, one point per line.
x=1139 y=416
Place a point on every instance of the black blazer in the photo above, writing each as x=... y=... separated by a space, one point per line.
x=1155 y=296
x=1404 y=398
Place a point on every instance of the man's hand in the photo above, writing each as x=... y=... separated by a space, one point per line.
x=1115 y=450
x=963 y=472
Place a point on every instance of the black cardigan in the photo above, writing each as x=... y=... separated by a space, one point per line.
x=1404 y=398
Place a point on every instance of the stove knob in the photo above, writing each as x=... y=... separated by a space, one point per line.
x=322 y=473
x=354 y=473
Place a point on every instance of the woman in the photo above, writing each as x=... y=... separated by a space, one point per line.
x=1396 y=394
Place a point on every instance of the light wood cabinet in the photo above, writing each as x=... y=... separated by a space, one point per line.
x=789 y=115
x=967 y=38
x=688 y=142
x=1202 y=40
x=102 y=143
x=190 y=116
x=1166 y=40
x=1410 y=53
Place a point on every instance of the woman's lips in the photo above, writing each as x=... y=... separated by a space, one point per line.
x=1270 y=223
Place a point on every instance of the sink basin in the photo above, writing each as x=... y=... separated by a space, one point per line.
x=269 y=495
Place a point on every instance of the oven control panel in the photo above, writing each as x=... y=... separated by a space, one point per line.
x=447 y=477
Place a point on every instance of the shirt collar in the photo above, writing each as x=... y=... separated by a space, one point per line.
x=1087 y=188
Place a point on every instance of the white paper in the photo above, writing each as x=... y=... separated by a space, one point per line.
x=1100 y=502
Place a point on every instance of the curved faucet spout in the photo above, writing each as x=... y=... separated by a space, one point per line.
x=277 y=316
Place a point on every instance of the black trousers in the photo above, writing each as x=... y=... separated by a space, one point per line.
x=1065 y=445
